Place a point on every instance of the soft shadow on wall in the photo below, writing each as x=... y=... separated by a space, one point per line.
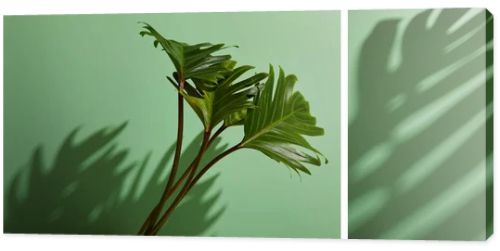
x=80 y=192
x=418 y=149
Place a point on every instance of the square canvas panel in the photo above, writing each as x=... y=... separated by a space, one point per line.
x=420 y=124
x=91 y=123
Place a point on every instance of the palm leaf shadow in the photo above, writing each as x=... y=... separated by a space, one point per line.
x=80 y=192
x=397 y=139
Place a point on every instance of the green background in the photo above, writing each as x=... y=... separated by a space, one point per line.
x=94 y=72
x=420 y=124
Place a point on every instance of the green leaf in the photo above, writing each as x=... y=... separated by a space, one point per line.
x=236 y=118
x=279 y=123
x=213 y=92
x=193 y=62
x=229 y=100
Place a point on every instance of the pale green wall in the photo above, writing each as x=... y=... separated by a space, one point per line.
x=420 y=124
x=95 y=71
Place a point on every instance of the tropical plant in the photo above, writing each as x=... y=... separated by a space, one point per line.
x=274 y=119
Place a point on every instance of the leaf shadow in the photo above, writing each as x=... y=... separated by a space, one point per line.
x=417 y=129
x=82 y=192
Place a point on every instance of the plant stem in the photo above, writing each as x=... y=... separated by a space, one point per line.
x=148 y=222
x=178 y=147
x=217 y=133
x=153 y=216
x=204 y=145
x=213 y=162
x=189 y=184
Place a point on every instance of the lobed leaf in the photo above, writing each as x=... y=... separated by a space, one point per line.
x=209 y=81
x=194 y=62
x=228 y=102
x=278 y=126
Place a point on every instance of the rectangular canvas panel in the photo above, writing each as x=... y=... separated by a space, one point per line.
x=420 y=124
x=91 y=122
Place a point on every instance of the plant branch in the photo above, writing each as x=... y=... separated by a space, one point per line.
x=192 y=170
x=213 y=162
x=178 y=147
x=153 y=216
x=184 y=176
x=217 y=133
x=189 y=184
x=187 y=171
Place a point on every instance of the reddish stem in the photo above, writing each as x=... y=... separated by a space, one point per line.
x=153 y=216
x=189 y=184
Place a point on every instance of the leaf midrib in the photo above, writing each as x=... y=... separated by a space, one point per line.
x=267 y=128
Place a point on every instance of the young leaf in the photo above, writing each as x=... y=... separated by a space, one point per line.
x=194 y=62
x=277 y=126
x=229 y=101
